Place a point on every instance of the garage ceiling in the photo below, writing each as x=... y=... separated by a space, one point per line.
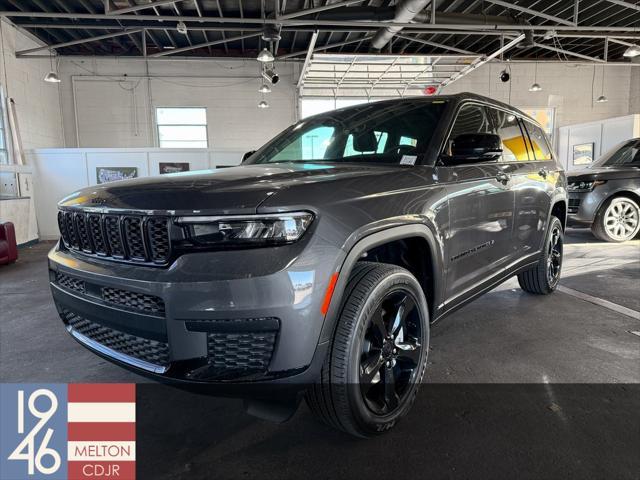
x=224 y=28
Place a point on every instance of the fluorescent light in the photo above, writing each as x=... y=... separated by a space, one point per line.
x=632 y=51
x=535 y=87
x=265 y=56
x=52 y=77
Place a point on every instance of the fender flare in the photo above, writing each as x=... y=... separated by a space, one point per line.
x=374 y=240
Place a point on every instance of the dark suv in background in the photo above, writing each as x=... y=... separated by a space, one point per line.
x=606 y=196
x=317 y=266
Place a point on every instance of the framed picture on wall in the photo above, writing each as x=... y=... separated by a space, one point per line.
x=583 y=153
x=173 y=167
x=112 y=174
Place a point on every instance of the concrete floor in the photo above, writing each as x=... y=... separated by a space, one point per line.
x=542 y=386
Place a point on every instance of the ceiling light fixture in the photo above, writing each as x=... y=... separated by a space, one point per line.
x=263 y=104
x=549 y=34
x=535 y=87
x=181 y=27
x=270 y=75
x=265 y=56
x=264 y=88
x=52 y=76
x=632 y=51
x=602 y=98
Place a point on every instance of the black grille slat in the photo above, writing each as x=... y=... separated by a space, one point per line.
x=134 y=238
x=151 y=351
x=133 y=300
x=71 y=229
x=84 y=241
x=114 y=236
x=62 y=226
x=70 y=283
x=159 y=243
x=95 y=230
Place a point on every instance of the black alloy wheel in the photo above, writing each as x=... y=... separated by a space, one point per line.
x=391 y=352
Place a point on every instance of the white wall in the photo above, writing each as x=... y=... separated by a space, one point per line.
x=111 y=101
x=37 y=102
x=604 y=134
x=61 y=171
x=634 y=93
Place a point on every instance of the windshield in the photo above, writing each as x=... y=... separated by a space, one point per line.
x=386 y=133
x=626 y=154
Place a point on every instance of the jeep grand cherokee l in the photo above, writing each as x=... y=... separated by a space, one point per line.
x=317 y=266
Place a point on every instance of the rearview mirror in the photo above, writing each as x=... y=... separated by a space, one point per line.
x=474 y=148
x=247 y=155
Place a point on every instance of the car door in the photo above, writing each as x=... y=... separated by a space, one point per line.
x=534 y=178
x=481 y=205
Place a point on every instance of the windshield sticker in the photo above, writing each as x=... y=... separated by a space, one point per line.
x=408 y=160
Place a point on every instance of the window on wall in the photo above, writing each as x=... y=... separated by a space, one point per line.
x=182 y=127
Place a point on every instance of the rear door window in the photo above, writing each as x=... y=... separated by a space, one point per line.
x=539 y=143
x=514 y=141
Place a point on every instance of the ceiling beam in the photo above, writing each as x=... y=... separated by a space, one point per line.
x=324 y=47
x=625 y=4
x=530 y=11
x=455 y=28
x=481 y=61
x=435 y=44
x=203 y=45
x=141 y=6
x=78 y=42
x=568 y=52
x=307 y=59
x=310 y=11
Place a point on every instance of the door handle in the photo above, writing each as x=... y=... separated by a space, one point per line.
x=502 y=177
x=543 y=172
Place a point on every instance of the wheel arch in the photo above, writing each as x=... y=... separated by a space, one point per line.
x=419 y=234
x=619 y=193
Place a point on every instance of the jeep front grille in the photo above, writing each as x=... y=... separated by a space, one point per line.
x=134 y=238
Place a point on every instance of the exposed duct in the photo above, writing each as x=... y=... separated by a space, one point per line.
x=406 y=11
x=412 y=11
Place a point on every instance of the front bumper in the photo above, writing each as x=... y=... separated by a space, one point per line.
x=218 y=318
x=582 y=209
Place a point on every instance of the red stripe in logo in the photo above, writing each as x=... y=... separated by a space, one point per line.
x=102 y=392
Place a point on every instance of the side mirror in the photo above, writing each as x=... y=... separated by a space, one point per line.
x=474 y=148
x=247 y=155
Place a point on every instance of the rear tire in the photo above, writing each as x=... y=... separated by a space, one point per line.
x=618 y=220
x=543 y=278
x=378 y=355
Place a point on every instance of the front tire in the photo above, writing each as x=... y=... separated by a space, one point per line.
x=543 y=278
x=617 y=221
x=378 y=355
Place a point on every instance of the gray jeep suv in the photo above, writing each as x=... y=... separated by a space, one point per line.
x=315 y=268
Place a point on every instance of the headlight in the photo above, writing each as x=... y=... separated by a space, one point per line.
x=584 y=186
x=245 y=230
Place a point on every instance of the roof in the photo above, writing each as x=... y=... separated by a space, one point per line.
x=231 y=28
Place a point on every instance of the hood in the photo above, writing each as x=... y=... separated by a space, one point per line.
x=230 y=190
x=603 y=173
